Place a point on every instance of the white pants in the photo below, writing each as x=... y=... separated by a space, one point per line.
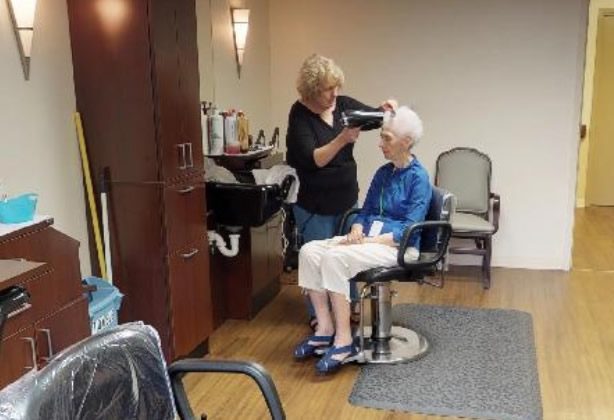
x=327 y=265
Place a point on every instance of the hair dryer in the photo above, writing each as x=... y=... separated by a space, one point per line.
x=366 y=120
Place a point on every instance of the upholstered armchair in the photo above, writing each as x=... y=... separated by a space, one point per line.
x=466 y=173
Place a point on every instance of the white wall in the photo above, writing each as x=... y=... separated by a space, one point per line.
x=219 y=80
x=501 y=76
x=38 y=146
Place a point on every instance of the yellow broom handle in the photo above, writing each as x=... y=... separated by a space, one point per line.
x=90 y=195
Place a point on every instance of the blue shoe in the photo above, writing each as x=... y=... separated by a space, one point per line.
x=328 y=365
x=313 y=346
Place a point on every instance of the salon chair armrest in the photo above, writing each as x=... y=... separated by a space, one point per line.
x=430 y=257
x=253 y=370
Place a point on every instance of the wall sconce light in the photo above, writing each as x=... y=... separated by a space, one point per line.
x=22 y=16
x=240 y=25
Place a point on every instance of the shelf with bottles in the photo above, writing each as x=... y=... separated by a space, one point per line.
x=227 y=133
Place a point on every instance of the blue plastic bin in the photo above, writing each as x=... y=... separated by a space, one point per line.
x=103 y=304
x=18 y=209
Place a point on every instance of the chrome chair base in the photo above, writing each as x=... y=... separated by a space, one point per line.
x=403 y=346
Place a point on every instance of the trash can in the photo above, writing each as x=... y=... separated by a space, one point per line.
x=104 y=303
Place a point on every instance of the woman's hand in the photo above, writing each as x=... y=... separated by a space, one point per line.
x=389 y=105
x=356 y=236
x=349 y=135
x=385 y=239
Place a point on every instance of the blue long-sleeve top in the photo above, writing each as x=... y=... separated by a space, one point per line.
x=398 y=197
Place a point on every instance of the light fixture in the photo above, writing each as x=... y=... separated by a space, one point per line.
x=240 y=25
x=22 y=16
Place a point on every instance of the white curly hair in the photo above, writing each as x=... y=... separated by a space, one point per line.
x=404 y=122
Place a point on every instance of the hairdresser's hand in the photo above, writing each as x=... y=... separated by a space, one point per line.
x=349 y=135
x=389 y=105
x=356 y=236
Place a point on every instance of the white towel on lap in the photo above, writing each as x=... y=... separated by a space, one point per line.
x=276 y=175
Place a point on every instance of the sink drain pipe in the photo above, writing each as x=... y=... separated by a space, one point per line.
x=215 y=239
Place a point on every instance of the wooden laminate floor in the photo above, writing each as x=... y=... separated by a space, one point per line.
x=594 y=239
x=573 y=315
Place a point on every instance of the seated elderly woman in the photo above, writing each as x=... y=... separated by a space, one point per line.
x=399 y=196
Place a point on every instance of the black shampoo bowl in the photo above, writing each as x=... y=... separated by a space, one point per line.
x=245 y=204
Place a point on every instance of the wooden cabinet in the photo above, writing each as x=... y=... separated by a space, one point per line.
x=61 y=329
x=17 y=356
x=187 y=291
x=46 y=263
x=244 y=284
x=34 y=345
x=137 y=88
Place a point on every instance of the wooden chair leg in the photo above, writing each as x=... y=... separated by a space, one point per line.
x=486 y=263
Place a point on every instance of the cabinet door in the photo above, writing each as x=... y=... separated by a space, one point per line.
x=185 y=216
x=189 y=82
x=274 y=230
x=260 y=260
x=267 y=260
x=166 y=89
x=191 y=308
x=67 y=326
x=17 y=356
x=112 y=74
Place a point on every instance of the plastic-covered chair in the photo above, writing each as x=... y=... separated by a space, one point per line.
x=381 y=342
x=466 y=173
x=118 y=373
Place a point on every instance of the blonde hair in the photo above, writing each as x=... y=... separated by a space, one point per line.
x=404 y=123
x=315 y=73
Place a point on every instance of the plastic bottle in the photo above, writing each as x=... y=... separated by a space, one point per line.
x=231 y=137
x=243 y=131
x=216 y=132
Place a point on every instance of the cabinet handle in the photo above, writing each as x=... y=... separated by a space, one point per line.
x=186 y=190
x=190 y=156
x=33 y=350
x=47 y=332
x=16 y=312
x=190 y=254
x=182 y=161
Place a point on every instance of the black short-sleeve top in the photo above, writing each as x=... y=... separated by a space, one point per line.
x=332 y=189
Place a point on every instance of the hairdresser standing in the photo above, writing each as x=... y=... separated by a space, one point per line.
x=321 y=151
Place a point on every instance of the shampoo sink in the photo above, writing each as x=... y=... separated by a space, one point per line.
x=245 y=204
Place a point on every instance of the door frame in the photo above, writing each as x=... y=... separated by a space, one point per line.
x=602 y=14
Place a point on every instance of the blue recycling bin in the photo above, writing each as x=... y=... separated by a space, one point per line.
x=104 y=303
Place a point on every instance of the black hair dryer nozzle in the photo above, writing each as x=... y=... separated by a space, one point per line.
x=366 y=120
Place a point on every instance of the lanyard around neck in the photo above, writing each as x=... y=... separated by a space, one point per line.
x=381 y=193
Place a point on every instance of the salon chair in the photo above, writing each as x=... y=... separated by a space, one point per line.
x=381 y=342
x=118 y=374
